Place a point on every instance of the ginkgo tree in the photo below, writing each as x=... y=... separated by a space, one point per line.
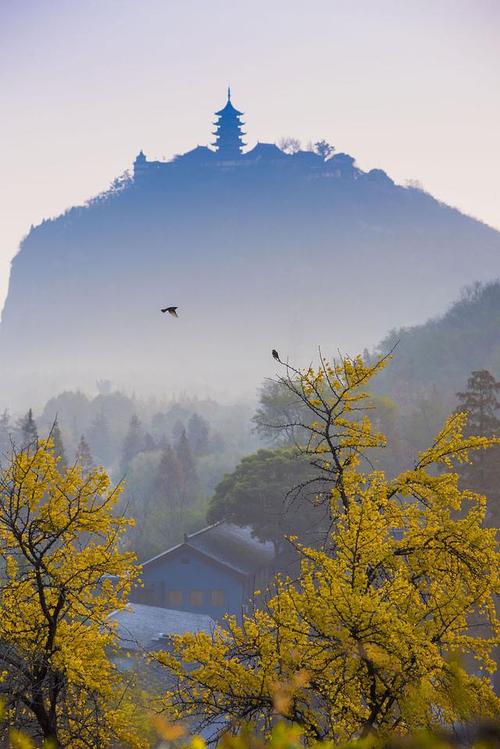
x=62 y=571
x=378 y=633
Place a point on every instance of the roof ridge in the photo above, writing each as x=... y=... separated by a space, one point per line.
x=202 y=530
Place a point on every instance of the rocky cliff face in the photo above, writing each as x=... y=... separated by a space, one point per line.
x=289 y=252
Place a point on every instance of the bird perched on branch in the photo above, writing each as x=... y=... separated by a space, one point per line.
x=275 y=355
x=171 y=311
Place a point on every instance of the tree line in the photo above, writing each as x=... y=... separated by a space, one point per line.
x=388 y=626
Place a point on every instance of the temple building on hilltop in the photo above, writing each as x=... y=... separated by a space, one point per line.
x=226 y=155
x=229 y=142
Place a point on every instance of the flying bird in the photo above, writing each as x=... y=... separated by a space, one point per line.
x=171 y=311
x=275 y=354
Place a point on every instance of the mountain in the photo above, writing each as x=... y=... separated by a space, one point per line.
x=260 y=250
x=438 y=356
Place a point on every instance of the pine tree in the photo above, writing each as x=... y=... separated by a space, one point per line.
x=56 y=435
x=5 y=434
x=159 y=425
x=197 y=432
x=133 y=443
x=149 y=443
x=99 y=438
x=481 y=402
x=28 y=430
x=190 y=482
x=177 y=430
x=169 y=479
x=83 y=456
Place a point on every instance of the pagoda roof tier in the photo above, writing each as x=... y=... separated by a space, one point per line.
x=229 y=109
x=236 y=132
x=229 y=123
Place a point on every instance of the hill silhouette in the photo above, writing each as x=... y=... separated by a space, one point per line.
x=438 y=356
x=266 y=250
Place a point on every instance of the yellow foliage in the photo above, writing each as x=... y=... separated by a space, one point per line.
x=19 y=740
x=60 y=541
x=365 y=641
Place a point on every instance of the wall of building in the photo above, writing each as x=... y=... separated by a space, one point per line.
x=187 y=582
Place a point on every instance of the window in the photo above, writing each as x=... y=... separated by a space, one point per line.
x=217 y=598
x=174 y=599
x=196 y=598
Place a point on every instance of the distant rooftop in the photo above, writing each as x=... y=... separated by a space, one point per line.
x=234 y=546
x=227 y=544
x=140 y=627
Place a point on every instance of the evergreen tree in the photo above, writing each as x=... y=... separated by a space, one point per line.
x=159 y=424
x=149 y=443
x=28 y=430
x=197 y=432
x=133 y=443
x=169 y=479
x=177 y=430
x=83 y=456
x=481 y=402
x=99 y=438
x=189 y=477
x=56 y=435
x=5 y=435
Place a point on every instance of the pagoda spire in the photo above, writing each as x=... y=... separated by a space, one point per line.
x=229 y=142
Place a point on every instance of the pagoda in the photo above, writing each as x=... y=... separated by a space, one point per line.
x=229 y=142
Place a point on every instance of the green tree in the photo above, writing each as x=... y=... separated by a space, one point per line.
x=133 y=443
x=57 y=439
x=481 y=402
x=280 y=416
x=99 y=437
x=189 y=478
x=198 y=432
x=154 y=494
x=5 y=435
x=28 y=430
x=84 y=456
x=274 y=492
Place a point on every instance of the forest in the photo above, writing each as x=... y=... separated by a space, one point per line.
x=375 y=480
x=186 y=462
x=388 y=625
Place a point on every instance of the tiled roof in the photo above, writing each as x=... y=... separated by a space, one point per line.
x=140 y=627
x=227 y=544
x=232 y=545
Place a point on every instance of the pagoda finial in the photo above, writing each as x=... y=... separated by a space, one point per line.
x=229 y=93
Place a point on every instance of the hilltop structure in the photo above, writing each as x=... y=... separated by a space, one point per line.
x=227 y=154
x=282 y=241
x=228 y=141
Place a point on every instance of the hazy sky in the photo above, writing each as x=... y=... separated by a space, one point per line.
x=411 y=86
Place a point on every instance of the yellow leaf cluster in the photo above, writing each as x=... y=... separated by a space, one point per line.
x=64 y=572
x=365 y=640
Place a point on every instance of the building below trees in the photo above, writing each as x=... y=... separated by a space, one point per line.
x=214 y=572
